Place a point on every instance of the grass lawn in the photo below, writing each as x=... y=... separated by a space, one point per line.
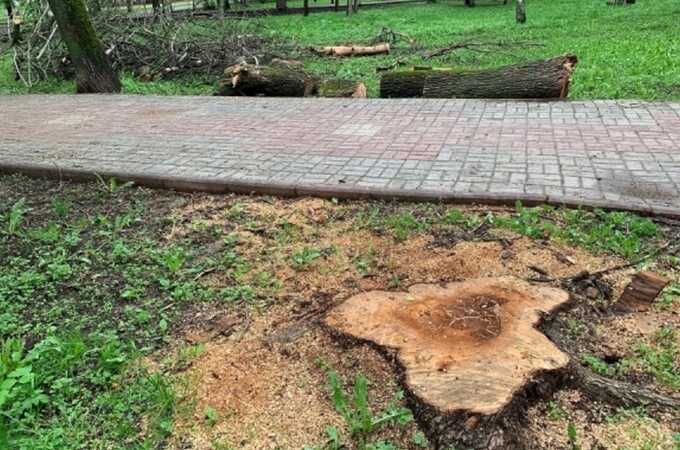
x=141 y=319
x=625 y=52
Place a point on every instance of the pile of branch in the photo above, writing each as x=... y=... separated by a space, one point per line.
x=153 y=47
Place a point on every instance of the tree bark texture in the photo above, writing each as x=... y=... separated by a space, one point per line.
x=15 y=24
x=548 y=79
x=93 y=71
x=521 y=11
x=284 y=80
x=641 y=292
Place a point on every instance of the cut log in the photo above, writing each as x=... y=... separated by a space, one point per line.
x=343 y=51
x=342 y=88
x=270 y=81
x=641 y=292
x=470 y=353
x=284 y=79
x=548 y=79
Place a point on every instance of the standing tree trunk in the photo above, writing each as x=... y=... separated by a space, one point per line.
x=350 y=8
x=521 y=12
x=281 y=5
x=220 y=9
x=129 y=5
x=94 y=73
x=95 y=7
x=306 y=8
x=14 y=23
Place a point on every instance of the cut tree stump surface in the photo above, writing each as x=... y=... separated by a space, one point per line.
x=623 y=154
x=467 y=346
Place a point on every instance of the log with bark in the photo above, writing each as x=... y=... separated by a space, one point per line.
x=284 y=79
x=470 y=353
x=545 y=79
x=353 y=50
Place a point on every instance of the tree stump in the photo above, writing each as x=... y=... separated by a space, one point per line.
x=470 y=353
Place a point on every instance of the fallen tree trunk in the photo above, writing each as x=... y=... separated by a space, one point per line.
x=547 y=79
x=284 y=79
x=343 y=51
x=269 y=81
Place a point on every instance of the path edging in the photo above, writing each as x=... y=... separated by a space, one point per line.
x=224 y=186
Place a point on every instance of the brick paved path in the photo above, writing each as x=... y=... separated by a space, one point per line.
x=617 y=154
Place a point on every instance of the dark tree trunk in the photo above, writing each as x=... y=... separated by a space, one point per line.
x=306 y=8
x=284 y=79
x=281 y=5
x=129 y=4
x=156 y=4
x=539 y=79
x=469 y=2
x=15 y=30
x=521 y=12
x=95 y=7
x=93 y=71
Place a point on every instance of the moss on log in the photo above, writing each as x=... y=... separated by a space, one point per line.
x=284 y=79
x=341 y=88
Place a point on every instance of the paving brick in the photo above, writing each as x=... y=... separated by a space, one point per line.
x=624 y=154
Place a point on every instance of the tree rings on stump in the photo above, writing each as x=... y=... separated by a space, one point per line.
x=470 y=352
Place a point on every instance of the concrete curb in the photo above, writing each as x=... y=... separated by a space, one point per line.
x=221 y=186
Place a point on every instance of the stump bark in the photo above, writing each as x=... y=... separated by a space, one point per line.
x=546 y=79
x=470 y=352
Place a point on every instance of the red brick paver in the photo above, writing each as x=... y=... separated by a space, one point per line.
x=595 y=153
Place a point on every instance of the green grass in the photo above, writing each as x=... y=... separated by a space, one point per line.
x=616 y=232
x=600 y=232
x=625 y=52
x=88 y=286
x=355 y=408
